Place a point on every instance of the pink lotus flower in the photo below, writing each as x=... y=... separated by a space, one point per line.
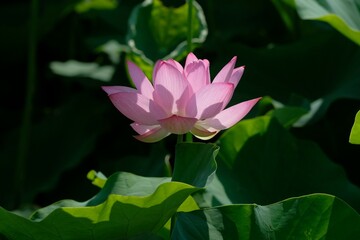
x=180 y=100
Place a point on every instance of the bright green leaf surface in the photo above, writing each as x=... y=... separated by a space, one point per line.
x=342 y=15
x=128 y=206
x=355 y=131
x=97 y=178
x=195 y=163
x=317 y=216
x=86 y=5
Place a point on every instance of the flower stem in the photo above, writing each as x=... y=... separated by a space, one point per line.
x=180 y=138
x=188 y=137
x=19 y=176
x=190 y=25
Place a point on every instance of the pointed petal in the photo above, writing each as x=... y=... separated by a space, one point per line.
x=210 y=100
x=142 y=129
x=190 y=58
x=141 y=82
x=178 y=125
x=137 y=107
x=116 y=89
x=171 y=89
x=197 y=74
x=154 y=135
x=232 y=115
x=225 y=73
x=175 y=64
x=202 y=133
x=236 y=75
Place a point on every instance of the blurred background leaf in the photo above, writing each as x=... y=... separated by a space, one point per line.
x=344 y=16
x=73 y=68
x=58 y=143
x=157 y=32
x=86 y=5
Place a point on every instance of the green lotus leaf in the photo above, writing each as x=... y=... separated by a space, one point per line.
x=355 y=131
x=316 y=216
x=128 y=206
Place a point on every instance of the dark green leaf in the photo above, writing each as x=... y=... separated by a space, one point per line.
x=287 y=116
x=195 y=163
x=158 y=32
x=317 y=216
x=281 y=71
x=264 y=163
x=59 y=142
x=344 y=16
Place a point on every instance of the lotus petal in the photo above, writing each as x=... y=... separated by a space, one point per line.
x=141 y=82
x=171 y=89
x=178 y=125
x=226 y=72
x=209 y=100
x=236 y=75
x=142 y=129
x=116 y=89
x=197 y=74
x=230 y=116
x=202 y=133
x=137 y=107
x=153 y=135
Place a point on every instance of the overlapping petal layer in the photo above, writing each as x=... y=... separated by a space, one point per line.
x=178 y=125
x=171 y=88
x=141 y=82
x=230 y=116
x=181 y=99
x=209 y=100
x=137 y=107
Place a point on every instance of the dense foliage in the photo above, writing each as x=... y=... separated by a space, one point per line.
x=290 y=161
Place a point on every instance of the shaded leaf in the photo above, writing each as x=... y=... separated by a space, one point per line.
x=261 y=162
x=149 y=164
x=308 y=217
x=59 y=142
x=344 y=15
x=286 y=9
x=306 y=73
x=195 y=163
x=160 y=32
x=288 y=116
